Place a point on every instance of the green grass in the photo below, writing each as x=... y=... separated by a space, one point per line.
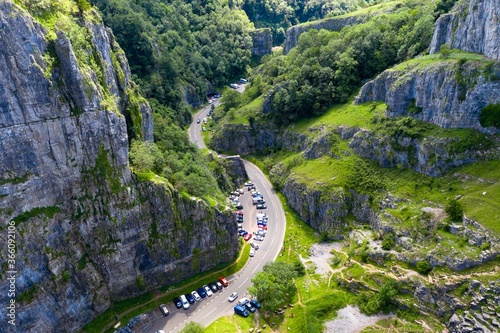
x=49 y=212
x=424 y=61
x=228 y=324
x=346 y=114
x=241 y=115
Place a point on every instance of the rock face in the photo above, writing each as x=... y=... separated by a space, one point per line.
x=88 y=234
x=262 y=42
x=255 y=139
x=431 y=156
x=332 y=24
x=471 y=26
x=446 y=93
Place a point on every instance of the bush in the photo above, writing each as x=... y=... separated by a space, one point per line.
x=490 y=116
x=454 y=210
x=423 y=267
x=388 y=241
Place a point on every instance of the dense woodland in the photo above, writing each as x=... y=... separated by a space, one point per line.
x=328 y=67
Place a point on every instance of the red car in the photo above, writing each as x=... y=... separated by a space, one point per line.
x=239 y=213
x=247 y=236
x=263 y=227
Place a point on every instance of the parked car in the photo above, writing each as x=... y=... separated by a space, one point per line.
x=196 y=296
x=202 y=292
x=254 y=245
x=239 y=218
x=164 y=310
x=247 y=236
x=232 y=297
x=240 y=310
x=213 y=287
x=223 y=280
x=243 y=81
x=252 y=252
x=250 y=307
x=261 y=206
x=185 y=303
x=262 y=227
x=243 y=301
x=190 y=298
x=248 y=183
x=243 y=232
x=240 y=213
x=256 y=304
x=204 y=129
x=262 y=223
x=241 y=191
x=261 y=233
x=240 y=206
x=178 y=302
x=219 y=285
x=207 y=290
x=258 y=238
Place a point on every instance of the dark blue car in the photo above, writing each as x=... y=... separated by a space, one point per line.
x=202 y=292
x=256 y=304
x=190 y=298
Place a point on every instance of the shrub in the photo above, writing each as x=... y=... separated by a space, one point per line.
x=388 y=241
x=454 y=210
x=423 y=267
x=490 y=116
x=444 y=51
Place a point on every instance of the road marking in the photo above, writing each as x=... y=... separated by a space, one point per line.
x=256 y=268
x=273 y=239
x=244 y=282
x=208 y=314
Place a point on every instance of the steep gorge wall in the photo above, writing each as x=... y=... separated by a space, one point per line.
x=471 y=26
x=445 y=93
x=262 y=40
x=88 y=234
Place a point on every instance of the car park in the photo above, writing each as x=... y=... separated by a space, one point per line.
x=177 y=302
x=261 y=206
x=247 y=236
x=223 y=280
x=208 y=291
x=255 y=304
x=232 y=297
x=196 y=296
x=254 y=245
x=164 y=310
x=252 y=252
x=190 y=298
x=213 y=287
x=202 y=292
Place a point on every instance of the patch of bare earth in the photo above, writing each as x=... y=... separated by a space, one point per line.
x=351 y=320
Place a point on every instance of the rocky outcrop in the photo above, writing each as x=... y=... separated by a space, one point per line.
x=262 y=40
x=431 y=156
x=332 y=24
x=449 y=94
x=88 y=233
x=471 y=26
x=255 y=138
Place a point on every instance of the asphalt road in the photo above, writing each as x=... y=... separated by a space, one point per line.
x=211 y=308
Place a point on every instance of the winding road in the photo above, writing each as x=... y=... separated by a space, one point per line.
x=211 y=308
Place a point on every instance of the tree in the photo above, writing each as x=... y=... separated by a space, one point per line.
x=454 y=210
x=192 y=327
x=274 y=286
x=231 y=99
x=423 y=267
x=445 y=51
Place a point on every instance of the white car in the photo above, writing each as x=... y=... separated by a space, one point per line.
x=208 y=290
x=196 y=296
x=233 y=297
x=252 y=252
x=254 y=245
x=258 y=238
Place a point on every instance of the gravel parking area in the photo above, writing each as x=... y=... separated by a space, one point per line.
x=351 y=320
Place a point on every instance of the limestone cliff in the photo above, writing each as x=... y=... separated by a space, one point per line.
x=262 y=40
x=471 y=26
x=88 y=233
x=448 y=93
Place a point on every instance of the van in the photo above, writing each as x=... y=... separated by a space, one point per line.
x=185 y=303
x=243 y=301
x=242 y=311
